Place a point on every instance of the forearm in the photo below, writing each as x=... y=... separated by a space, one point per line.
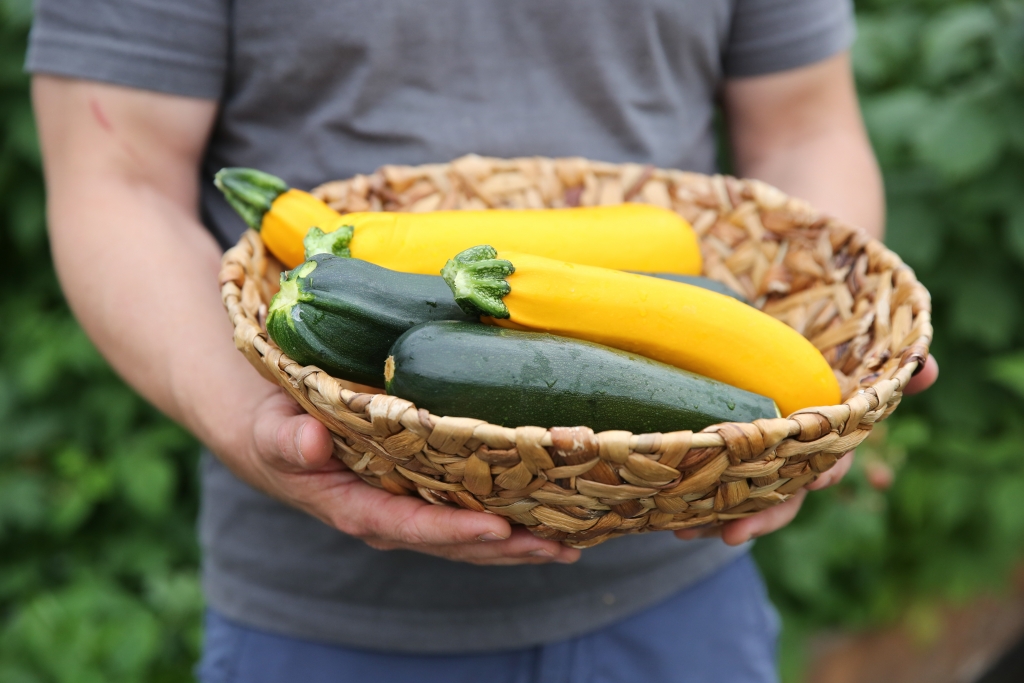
x=802 y=132
x=835 y=172
x=147 y=295
x=138 y=269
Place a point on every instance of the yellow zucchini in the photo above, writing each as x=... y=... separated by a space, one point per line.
x=627 y=236
x=704 y=332
x=280 y=228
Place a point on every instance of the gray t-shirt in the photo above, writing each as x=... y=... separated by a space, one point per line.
x=313 y=90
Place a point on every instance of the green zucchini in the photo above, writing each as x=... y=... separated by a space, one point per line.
x=342 y=314
x=703 y=282
x=515 y=378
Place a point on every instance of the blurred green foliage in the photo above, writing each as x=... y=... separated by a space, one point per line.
x=97 y=491
x=942 y=90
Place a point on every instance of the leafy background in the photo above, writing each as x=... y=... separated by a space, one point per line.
x=98 y=491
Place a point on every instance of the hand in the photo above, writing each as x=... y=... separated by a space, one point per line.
x=740 y=531
x=290 y=458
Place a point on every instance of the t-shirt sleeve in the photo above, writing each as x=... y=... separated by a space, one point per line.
x=173 y=46
x=775 y=35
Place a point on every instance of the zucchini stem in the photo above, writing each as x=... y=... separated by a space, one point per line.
x=249 y=192
x=290 y=293
x=477 y=280
x=317 y=241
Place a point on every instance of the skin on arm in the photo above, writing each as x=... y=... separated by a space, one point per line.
x=140 y=273
x=802 y=131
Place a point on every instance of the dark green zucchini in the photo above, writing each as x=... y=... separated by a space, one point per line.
x=515 y=378
x=342 y=314
x=703 y=282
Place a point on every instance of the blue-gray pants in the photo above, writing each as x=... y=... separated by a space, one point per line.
x=720 y=630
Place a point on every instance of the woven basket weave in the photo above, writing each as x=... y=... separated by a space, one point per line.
x=854 y=299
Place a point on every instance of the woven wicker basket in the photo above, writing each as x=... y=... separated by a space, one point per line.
x=854 y=299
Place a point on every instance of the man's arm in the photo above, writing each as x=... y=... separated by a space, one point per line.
x=802 y=132
x=140 y=273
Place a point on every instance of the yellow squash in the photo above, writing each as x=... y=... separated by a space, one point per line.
x=637 y=237
x=686 y=326
x=290 y=217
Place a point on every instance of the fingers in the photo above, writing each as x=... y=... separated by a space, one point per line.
x=436 y=525
x=521 y=547
x=925 y=378
x=834 y=475
x=387 y=522
x=879 y=474
x=286 y=436
x=375 y=515
x=706 y=531
x=740 y=531
x=303 y=442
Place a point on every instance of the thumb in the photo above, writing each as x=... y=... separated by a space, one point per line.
x=285 y=435
x=304 y=442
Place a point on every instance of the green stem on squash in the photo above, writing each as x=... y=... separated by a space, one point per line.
x=477 y=280
x=337 y=243
x=249 y=192
x=290 y=293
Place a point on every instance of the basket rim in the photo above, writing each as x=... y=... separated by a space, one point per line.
x=811 y=432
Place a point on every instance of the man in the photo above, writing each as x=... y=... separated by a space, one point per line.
x=140 y=101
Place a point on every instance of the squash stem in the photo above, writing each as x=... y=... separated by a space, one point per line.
x=249 y=192
x=477 y=280
x=336 y=243
x=290 y=294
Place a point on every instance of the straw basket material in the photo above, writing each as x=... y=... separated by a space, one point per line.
x=853 y=298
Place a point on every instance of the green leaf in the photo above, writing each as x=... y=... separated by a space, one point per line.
x=1004 y=500
x=1008 y=370
x=86 y=483
x=985 y=310
x=958 y=398
x=148 y=481
x=177 y=598
x=914 y=230
x=960 y=138
x=955 y=43
x=22 y=500
x=1011 y=112
x=893 y=118
x=14 y=673
x=99 y=632
x=885 y=46
x=1009 y=43
x=28 y=222
x=1015 y=231
x=911 y=431
x=951 y=498
x=16 y=13
x=21 y=135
